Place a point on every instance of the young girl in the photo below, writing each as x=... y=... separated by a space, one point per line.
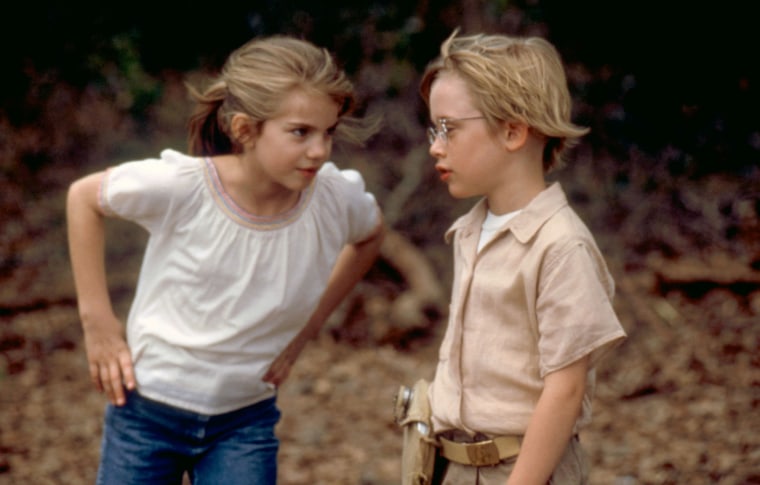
x=254 y=239
x=531 y=310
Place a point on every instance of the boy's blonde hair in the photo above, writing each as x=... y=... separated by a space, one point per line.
x=254 y=81
x=513 y=78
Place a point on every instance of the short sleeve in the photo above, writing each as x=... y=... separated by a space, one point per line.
x=363 y=213
x=574 y=309
x=140 y=191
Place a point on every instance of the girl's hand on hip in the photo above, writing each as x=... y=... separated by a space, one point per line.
x=280 y=368
x=109 y=358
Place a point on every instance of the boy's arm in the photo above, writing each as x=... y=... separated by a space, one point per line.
x=551 y=426
x=353 y=262
x=108 y=356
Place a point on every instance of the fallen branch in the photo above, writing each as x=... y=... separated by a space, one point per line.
x=425 y=298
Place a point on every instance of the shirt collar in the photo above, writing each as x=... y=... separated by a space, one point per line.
x=524 y=225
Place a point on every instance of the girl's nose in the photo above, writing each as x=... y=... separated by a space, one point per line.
x=320 y=148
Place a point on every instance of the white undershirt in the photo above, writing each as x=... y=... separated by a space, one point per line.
x=491 y=225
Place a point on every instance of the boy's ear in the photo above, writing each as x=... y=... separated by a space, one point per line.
x=243 y=129
x=515 y=135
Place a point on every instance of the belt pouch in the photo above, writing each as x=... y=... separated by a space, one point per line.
x=419 y=447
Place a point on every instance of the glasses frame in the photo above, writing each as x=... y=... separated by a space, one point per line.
x=442 y=133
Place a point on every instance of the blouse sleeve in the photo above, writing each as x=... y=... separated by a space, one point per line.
x=362 y=210
x=139 y=191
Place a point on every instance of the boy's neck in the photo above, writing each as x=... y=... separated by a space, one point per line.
x=517 y=198
x=524 y=176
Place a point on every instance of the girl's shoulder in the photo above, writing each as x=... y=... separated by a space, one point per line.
x=179 y=161
x=343 y=193
x=176 y=171
x=169 y=163
x=344 y=180
x=146 y=190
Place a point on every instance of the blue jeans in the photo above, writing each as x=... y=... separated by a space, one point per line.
x=150 y=443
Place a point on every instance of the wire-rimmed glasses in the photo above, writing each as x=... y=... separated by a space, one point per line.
x=443 y=131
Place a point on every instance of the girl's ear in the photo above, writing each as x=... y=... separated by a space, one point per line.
x=243 y=129
x=515 y=135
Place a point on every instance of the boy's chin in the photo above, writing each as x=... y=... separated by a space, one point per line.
x=460 y=194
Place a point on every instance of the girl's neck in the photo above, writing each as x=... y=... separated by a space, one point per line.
x=252 y=191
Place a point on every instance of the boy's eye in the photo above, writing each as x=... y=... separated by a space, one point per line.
x=446 y=129
x=300 y=131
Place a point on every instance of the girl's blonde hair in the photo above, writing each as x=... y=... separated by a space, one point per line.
x=512 y=78
x=254 y=81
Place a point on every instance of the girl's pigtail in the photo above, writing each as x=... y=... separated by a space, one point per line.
x=206 y=133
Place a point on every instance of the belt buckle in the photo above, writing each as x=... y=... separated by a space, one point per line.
x=483 y=453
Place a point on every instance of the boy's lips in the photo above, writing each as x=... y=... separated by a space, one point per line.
x=444 y=172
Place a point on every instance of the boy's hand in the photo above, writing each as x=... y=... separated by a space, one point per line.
x=109 y=359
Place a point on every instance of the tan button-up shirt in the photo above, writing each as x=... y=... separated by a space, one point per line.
x=534 y=300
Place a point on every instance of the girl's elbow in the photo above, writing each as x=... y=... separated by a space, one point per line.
x=379 y=234
x=375 y=238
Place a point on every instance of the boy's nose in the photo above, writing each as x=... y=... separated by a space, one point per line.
x=437 y=149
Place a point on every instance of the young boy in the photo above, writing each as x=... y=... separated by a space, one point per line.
x=531 y=311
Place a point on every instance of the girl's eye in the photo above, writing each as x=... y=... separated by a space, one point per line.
x=300 y=132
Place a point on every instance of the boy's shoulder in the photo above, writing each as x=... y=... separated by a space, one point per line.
x=565 y=228
x=550 y=215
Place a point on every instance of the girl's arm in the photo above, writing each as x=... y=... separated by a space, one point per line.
x=551 y=426
x=353 y=262
x=108 y=356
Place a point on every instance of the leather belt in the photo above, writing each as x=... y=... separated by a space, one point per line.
x=481 y=453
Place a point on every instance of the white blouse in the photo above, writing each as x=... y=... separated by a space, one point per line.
x=221 y=292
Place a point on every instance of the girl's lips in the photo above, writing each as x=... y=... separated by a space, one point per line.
x=308 y=172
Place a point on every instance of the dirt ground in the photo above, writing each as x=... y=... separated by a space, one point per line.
x=676 y=404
